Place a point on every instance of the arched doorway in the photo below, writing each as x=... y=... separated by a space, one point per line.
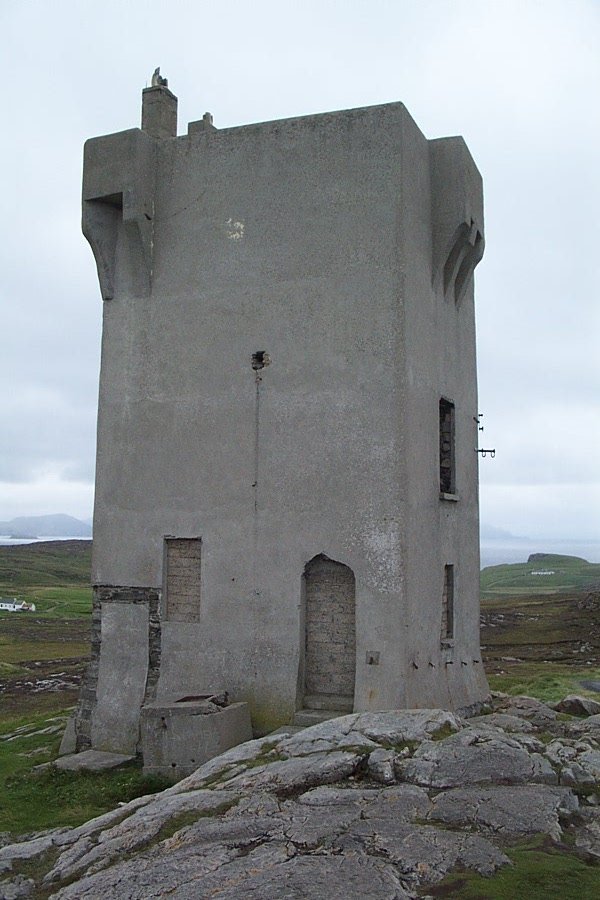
x=330 y=635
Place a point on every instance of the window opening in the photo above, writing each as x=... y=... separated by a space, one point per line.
x=447 y=462
x=182 y=580
x=448 y=603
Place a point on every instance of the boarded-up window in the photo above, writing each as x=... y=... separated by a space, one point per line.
x=182 y=582
x=448 y=603
x=447 y=467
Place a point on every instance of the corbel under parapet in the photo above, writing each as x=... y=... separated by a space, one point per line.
x=457 y=217
x=118 y=208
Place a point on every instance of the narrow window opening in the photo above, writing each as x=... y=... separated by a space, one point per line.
x=182 y=579
x=447 y=463
x=448 y=603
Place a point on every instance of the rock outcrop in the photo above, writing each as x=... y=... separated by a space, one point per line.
x=372 y=804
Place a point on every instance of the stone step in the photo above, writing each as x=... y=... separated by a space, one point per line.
x=329 y=701
x=307 y=717
x=286 y=729
x=92 y=760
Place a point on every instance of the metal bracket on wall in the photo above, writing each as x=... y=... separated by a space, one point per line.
x=477 y=419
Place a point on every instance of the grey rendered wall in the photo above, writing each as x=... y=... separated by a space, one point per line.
x=281 y=237
x=309 y=239
x=440 y=362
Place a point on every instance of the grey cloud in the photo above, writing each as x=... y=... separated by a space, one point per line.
x=524 y=98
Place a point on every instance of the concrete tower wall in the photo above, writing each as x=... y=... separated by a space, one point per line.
x=439 y=356
x=277 y=337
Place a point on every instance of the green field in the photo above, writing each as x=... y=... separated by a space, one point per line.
x=569 y=573
x=540 y=634
x=42 y=657
x=55 y=575
x=43 y=653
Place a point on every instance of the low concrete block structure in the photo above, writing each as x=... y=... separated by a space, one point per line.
x=92 y=761
x=177 y=737
x=287 y=489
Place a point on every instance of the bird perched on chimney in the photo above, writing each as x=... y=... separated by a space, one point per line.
x=158 y=80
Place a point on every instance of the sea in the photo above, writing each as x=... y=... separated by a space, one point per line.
x=495 y=552
x=7 y=541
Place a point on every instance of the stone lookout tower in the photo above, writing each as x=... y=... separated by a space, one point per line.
x=286 y=488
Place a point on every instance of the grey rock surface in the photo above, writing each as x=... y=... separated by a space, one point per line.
x=17 y=887
x=296 y=774
x=575 y=705
x=510 y=810
x=585 y=772
x=589 y=726
x=232 y=761
x=424 y=854
x=334 y=877
x=133 y=832
x=535 y=711
x=577 y=760
x=380 y=765
x=588 y=835
x=353 y=807
x=398 y=726
x=472 y=756
x=505 y=721
x=28 y=849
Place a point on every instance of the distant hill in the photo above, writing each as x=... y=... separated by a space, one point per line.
x=556 y=559
x=58 y=525
x=542 y=573
x=46 y=563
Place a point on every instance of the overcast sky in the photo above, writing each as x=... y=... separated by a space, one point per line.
x=519 y=80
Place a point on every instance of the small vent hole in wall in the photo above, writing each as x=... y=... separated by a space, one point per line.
x=260 y=359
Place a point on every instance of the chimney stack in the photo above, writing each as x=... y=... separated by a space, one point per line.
x=159 y=109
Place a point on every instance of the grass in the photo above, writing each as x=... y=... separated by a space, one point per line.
x=549 y=682
x=41 y=661
x=539 y=872
x=55 y=798
x=31 y=800
x=69 y=601
x=59 y=602
x=22 y=651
